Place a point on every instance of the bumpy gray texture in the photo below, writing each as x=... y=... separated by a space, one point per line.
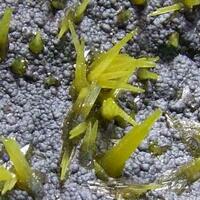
x=34 y=115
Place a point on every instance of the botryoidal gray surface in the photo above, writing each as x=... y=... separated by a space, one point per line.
x=34 y=115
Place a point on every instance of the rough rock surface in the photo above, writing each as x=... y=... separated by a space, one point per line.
x=34 y=115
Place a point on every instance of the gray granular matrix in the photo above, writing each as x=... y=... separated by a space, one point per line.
x=34 y=114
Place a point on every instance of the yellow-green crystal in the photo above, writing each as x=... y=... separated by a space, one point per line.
x=36 y=45
x=111 y=110
x=113 y=160
x=167 y=9
x=144 y=74
x=19 y=67
x=8 y=178
x=138 y=2
x=4 y=29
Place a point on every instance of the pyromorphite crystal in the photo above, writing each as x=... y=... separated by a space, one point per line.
x=80 y=10
x=78 y=130
x=22 y=168
x=157 y=150
x=174 y=39
x=110 y=110
x=191 y=3
x=167 y=9
x=64 y=24
x=4 y=29
x=95 y=84
x=183 y=177
x=36 y=44
x=144 y=74
x=74 y=15
x=18 y=67
x=80 y=80
x=51 y=81
x=57 y=4
x=123 y=16
x=138 y=2
x=113 y=160
x=26 y=178
x=190 y=171
x=8 y=180
x=88 y=146
x=134 y=191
